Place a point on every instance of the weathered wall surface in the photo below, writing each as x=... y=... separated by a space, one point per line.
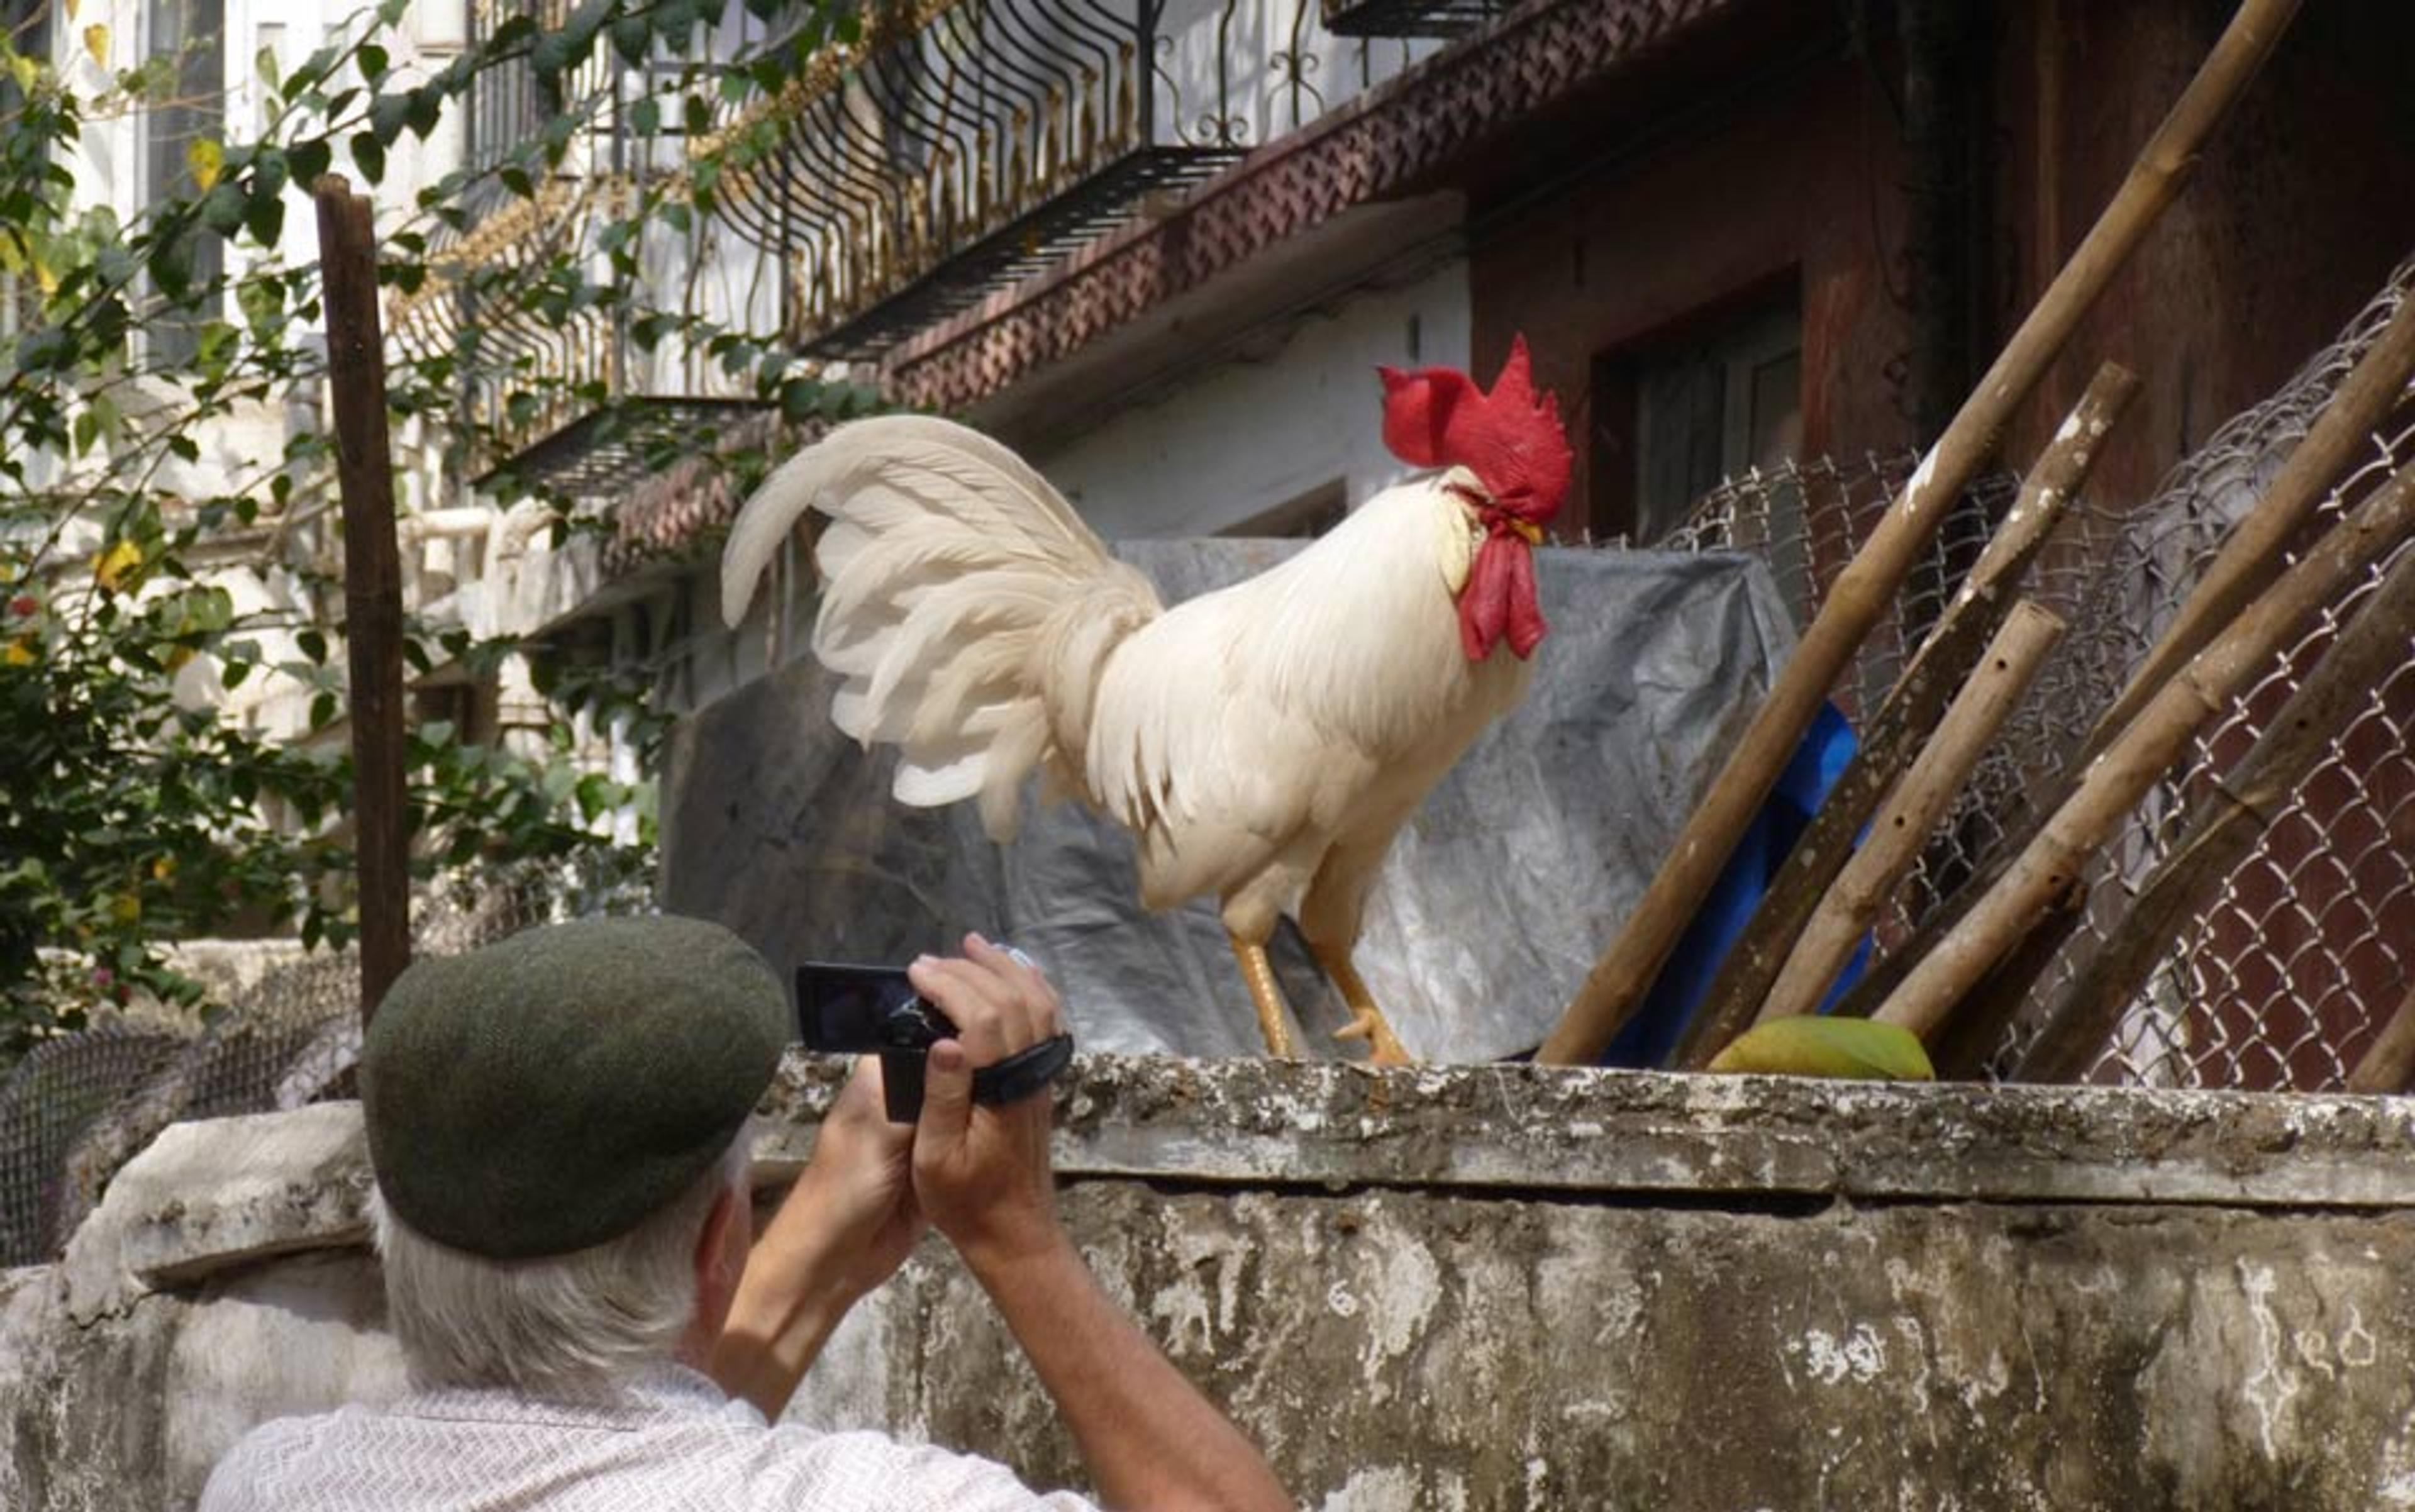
x=1476 y=1288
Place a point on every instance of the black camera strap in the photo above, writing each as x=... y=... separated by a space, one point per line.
x=1024 y=1072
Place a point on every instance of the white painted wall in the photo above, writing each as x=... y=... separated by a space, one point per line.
x=1249 y=436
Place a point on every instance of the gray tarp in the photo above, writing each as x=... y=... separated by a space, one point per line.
x=1493 y=904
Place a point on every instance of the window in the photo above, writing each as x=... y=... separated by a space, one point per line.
x=191 y=34
x=1674 y=418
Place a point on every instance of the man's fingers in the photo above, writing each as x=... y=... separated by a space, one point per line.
x=1033 y=998
x=947 y=1103
x=972 y=1003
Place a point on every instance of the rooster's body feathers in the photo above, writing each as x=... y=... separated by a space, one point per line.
x=1263 y=743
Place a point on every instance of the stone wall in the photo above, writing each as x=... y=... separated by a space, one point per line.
x=1478 y=1288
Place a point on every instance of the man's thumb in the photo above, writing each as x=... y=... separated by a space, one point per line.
x=947 y=1095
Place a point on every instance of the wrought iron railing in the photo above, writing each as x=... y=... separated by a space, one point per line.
x=556 y=391
x=964 y=145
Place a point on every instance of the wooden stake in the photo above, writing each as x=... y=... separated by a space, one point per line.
x=1911 y=712
x=1618 y=985
x=2256 y=549
x=1869 y=880
x=2244 y=805
x=372 y=582
x=2140 y=756
x=2389 y=1065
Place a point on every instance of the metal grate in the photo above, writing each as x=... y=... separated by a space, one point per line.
x=2284 y=977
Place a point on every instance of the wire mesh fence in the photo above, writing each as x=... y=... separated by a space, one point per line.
x=80 y=1106
x=2282 y=978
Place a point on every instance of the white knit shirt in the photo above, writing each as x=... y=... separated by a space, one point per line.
x=667 y=1442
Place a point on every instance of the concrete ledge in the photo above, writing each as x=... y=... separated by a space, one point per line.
x=207 y=1197
x=1492 y=1287
x=1535 y=1129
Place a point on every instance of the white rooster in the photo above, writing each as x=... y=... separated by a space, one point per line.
x=1262 y=742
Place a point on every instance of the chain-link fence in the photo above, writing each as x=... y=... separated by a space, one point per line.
x=79 y=1107
x=2295 y=963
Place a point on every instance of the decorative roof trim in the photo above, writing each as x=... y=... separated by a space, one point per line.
x=1376 y=147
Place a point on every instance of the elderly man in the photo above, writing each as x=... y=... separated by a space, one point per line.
x=557 y=1127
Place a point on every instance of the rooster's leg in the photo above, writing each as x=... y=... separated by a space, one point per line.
x=1365 y=1020
x=1258 y=975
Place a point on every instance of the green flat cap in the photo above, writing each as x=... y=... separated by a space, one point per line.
x=549 y=1091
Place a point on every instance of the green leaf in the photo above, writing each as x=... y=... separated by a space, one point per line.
x=646 y=116
x=633 y=39
x=264 y=217
x=388 y=115
x=368 y=155
x=223 y=209
x=422 y=108
x=1821 y=1046
x=375 y=64
x=309 y=160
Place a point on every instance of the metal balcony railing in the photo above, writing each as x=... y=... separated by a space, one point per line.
x=962 y=146
x=554 y=390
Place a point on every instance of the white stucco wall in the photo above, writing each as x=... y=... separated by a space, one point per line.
x=1249 y=436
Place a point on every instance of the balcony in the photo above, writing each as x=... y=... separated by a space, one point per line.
x=561 y=397
x=963 y=146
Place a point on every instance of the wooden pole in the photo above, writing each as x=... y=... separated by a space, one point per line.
x=2389 y=1064
x=1903 y=826
x=1911 y=712
x=2139 y=758
x=372 y=582
x=1618 y=981
x=2242 y=806
x=1977 y=1028
x=2255 y=551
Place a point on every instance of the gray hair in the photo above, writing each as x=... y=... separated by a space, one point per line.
x=558 y=1324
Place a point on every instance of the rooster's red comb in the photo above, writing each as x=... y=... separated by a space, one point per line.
x=1511 y=438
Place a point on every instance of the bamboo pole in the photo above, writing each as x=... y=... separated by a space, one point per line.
x=1912 y=709
x=1618 y=981
x=1977 y=1028
x=2389 y=1064
x=2278 y=516
x=372 y=582
x=2253 y=554
x=2139 y=758
x=1903 y=826
x=2244 y=805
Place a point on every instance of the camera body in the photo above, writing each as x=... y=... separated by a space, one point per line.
x=864 y=1010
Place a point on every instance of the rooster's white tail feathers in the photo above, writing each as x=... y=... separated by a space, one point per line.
x=952 y=574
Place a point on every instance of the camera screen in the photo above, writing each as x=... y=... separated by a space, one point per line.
x=842 y=1008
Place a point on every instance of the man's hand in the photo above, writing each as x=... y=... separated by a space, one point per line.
x=982 y=1173
x=855 y=1201
x=845 y=1227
